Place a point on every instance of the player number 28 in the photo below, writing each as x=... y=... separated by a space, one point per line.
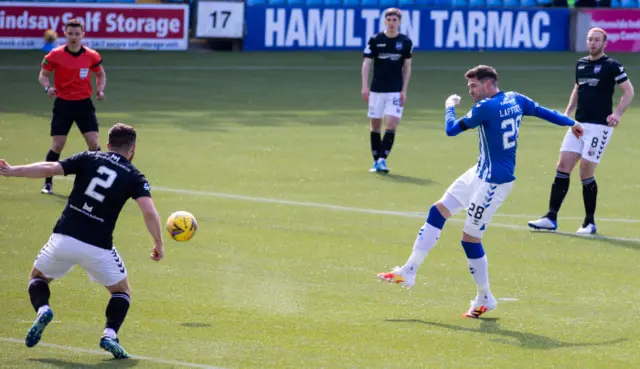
x=475 y=211
x=99 y=182
x=509 y=137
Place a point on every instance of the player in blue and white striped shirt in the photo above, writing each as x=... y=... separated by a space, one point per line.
x=485 y=186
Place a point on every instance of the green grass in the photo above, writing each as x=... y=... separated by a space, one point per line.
x=273 y=284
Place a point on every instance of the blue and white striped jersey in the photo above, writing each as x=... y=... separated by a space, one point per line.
x=498 y=120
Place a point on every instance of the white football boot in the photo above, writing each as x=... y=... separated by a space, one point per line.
x=398 y=276
x=589 y=229
x=481 y=305
x=544 y=223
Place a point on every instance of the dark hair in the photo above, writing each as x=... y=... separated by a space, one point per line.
x=73 y=22
x=393 y=11
x=122 y=136
x=482 y=73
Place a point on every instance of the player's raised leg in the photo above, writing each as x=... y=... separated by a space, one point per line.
x=427 y=238
x=451 y=203
x=484 y=203
x=570 y=153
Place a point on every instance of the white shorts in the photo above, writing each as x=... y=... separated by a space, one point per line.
x=62 y=253
x=383 y=104
x=590 y=146
x=479 y=198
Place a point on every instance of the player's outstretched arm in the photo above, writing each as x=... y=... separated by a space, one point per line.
x=532 y=108
x=152 y=221
x=556 y=118
x=36 y=170
x=552 y=116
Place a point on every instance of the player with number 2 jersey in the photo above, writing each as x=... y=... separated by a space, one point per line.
x=83 y=235
x=483 y=188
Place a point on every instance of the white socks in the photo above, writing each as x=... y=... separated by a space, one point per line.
x=479 y=269
x=426 y=239
x=110 y=333
x=43 y=309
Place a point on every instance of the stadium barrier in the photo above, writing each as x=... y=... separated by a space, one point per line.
x=262 y=27
x=622 y=27
x=326 y=27
x=108 y=26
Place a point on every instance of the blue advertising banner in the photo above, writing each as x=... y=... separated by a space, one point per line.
x=331 y=28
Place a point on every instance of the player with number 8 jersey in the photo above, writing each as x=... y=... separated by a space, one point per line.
x=83 y=235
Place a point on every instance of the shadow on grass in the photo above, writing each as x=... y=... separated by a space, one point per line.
x=628 y=243
x=491 y=326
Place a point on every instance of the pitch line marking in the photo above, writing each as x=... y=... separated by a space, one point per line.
x=104 y=353
x=363 y=210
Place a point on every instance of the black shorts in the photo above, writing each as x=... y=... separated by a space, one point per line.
x=65 y=112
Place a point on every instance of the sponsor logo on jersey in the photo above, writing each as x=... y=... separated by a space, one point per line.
x=590 y=81
x=393 y=57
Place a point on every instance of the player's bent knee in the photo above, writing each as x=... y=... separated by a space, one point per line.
x=91 y=138
x=57 y=143
x=567 y=161
x=120 y=287
x=587 y=169
x=391 y=123
x=472 y=232
x=376 y=125
x=35 y=273
x=468 y=237
x=444 y=211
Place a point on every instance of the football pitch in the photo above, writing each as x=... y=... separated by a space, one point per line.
x=270 y=152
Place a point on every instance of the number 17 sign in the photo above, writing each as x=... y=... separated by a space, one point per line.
x=220 y=19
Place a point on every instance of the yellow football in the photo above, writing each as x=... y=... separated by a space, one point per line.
x=182 y=226
x=50 y=35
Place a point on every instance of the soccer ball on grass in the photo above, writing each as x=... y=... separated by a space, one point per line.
x=182 y=226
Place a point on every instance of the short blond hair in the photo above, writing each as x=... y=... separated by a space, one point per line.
x=598 y=29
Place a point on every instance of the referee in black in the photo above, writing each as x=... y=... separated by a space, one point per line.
x=596 y=77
